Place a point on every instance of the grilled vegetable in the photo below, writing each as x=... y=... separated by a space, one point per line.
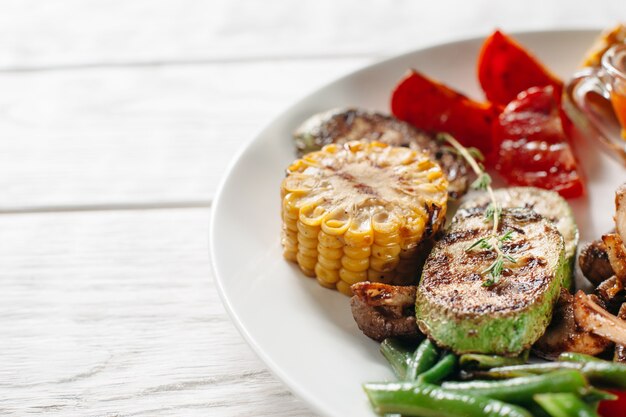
x=440 y=371
x=382 y=311
x=408 y=362
x=423 y=359
x=616 y=253
x=605 y=259
x=613 y=407
x=343 y=125
x=533 y=146
x=594 y=262
x=505 y=69
x=593 y=318
x=564 y=335
x=578 y=357
x=620 y=349
x=458 y=312
x=620 y=211
x=521 y=390
x=546 y=203
x=604 y=374
x=410 y=399
x=398 y=353
x=434 y=107
x=479 y=361
x=565 y=405
x=359 y=212
x=612 y=293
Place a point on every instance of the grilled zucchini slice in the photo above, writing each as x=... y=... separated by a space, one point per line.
x=548 y=204
x=457 y=312
x=360 y=211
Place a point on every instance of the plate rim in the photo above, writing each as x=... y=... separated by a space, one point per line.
x=294 y=387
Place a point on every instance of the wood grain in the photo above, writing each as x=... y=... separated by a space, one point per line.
x=118 y=136
x=116 y=313
x=61 y=33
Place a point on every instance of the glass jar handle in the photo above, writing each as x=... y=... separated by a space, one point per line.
x=587 y=101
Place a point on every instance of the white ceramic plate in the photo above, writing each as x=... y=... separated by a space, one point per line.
x=304 y=333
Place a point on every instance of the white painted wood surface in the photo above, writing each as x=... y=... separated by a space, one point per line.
x=117 y=119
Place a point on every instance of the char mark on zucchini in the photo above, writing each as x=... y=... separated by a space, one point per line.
x=458 y=312
x=548 y=204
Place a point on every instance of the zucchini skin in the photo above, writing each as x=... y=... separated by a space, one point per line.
x=547 y=203
x=458 y=313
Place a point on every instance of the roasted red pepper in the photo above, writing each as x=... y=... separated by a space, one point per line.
x=505 y=69
x=532 y=147
x=615 y=408
x=434 y=107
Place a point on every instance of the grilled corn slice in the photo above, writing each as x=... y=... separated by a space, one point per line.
x=359 y=211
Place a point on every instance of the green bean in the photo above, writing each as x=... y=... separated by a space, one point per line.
x=479 y=361
x=578 y=357
x=564 y=405
x=398 y=354
x=594 y=395
x=515 y=371
x=423 y=359
x=602 y=373
x=426 y=400
x=536 y=410
x=605 y=374
x=521 y=390
x=441 y=370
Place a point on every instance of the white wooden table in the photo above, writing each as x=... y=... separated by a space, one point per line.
x=117 y=119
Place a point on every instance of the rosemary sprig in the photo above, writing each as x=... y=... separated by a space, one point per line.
x=493 y=213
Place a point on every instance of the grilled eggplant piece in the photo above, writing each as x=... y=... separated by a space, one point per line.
x=563 y=335
x=344 y=125
x=548 y=204
x=457 y=312
x=382 y=310
x=594 y=262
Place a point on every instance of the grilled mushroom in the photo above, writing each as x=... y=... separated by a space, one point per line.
x=620 y=211
x=593 y=318
x=563 y=335
x=594 y=262
x=612 y=294
x=620 y=349
x=383 y=311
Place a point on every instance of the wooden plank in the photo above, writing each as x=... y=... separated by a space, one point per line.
x=139 y=135
x=116 y=313
x=112 y=32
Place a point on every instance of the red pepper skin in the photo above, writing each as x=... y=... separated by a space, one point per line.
x=532 y=147
x=434 y=107
x=615 y=408
x=505 y=69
